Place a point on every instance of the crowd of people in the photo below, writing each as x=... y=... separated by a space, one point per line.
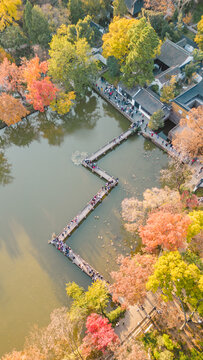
x=83 y=265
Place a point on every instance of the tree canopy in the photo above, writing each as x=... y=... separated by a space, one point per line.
x=119 y=8
x=10 y=10
x=95 y=299
x=130 y=280
x=70 y=63
x=100 y=336
x=165 y=230
x=134 y=43
x=173 y=276
x=199 y=36
x=189 y=140
x=157 y=120
x=116 y=41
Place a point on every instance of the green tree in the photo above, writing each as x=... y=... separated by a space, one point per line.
x=76 y=9
x=190 y=70
x=113 y=66
x=119 y=8
x=143 y=46
x=198 y=55
x=5 y=170
x=82 y=30
x=175 y=278
x=12 y=37
x=71 y=63
x=39 y=31
x=157 y=120
x=95 y=299
x=27 y=17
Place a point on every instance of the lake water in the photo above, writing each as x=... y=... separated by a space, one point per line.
x=45 y=189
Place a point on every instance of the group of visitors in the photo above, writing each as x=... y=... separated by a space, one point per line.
x=61 y=246
x=84 y=266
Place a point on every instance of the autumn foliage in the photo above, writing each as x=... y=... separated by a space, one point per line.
x=165 y=230
x=164 y=6
x=189 y=140
x=41 y=93
x=100 y=335
x=131 y=278
x=9 y=11
x=29 y=80
x=11 y=109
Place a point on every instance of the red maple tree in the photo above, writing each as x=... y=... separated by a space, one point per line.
x=100 y=335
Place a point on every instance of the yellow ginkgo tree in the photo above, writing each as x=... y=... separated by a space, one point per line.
x=10 y=10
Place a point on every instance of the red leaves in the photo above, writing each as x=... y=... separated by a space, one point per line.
x=100 y=335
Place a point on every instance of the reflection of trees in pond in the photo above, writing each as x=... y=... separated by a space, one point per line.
x=82 y=115
x=5 y=170
x=22 y=134
x=113 y=113
x=51 y=131
x=149 y=145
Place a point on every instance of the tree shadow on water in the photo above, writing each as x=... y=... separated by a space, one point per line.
x=5 y=170
x=22 y=134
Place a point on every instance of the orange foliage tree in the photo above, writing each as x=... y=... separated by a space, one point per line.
x=166 y=230
x=11 y=109
x=131 y=278
x=190 y=139
x=41 y=93
x=165 y=6
x=33 y=69
x=11 y=77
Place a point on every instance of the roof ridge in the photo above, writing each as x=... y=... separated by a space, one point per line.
x=167 y=70
x=150 y=93
x=177 y=46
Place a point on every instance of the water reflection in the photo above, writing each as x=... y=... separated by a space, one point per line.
x=22 y=134
x=5 y=170
x=51 y=130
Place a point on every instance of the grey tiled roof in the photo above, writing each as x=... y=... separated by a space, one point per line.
x=134 y=6
x=148 y=101
x=131 y=91
x=172 y=54
x=195 y=92
x=165 y=75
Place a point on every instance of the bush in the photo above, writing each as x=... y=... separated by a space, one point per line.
x=114 y=315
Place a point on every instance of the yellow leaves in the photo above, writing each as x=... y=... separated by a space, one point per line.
x=197 y=224
x=9 y=11
x=199 y=36
x=116 y=41
x=167 y=92
x=63 y=102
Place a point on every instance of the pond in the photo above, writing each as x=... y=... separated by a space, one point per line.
x=43 y=188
